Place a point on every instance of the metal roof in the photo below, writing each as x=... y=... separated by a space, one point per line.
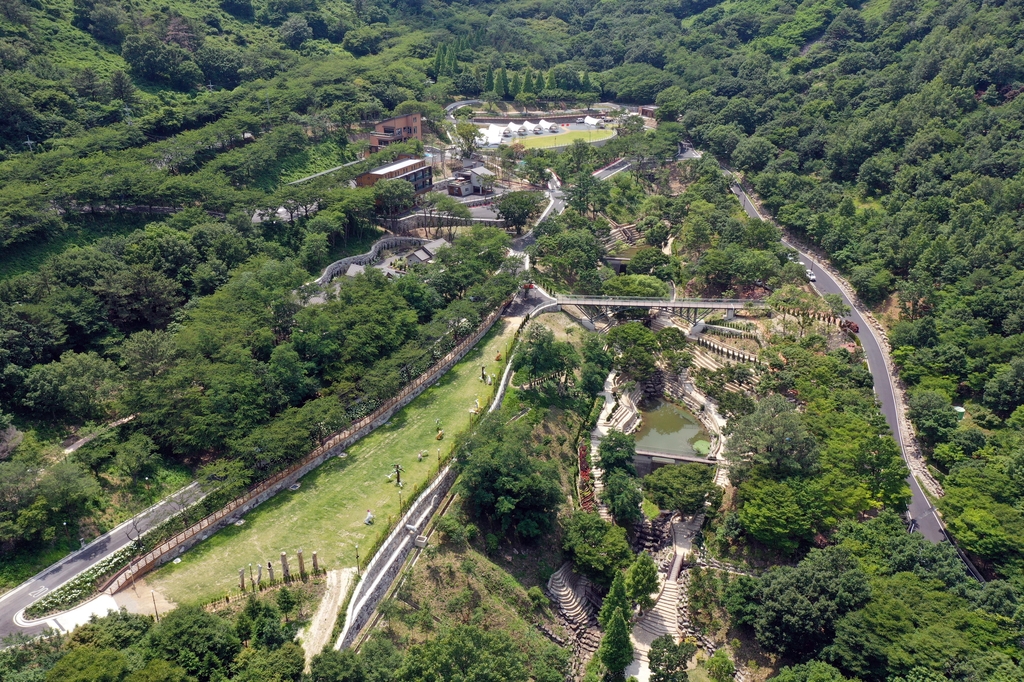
x=397 y=165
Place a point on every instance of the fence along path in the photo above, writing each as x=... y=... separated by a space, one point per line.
x=357 y=429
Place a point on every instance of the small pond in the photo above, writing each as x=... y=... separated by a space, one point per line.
x=667 y=427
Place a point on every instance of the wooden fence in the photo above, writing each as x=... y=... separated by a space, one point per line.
x=343 y=438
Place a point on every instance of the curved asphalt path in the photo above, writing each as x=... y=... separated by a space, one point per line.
x=922 y=513
x=14 y=602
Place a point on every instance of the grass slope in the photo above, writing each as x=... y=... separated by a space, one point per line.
x=326 y=514
x=82 y=230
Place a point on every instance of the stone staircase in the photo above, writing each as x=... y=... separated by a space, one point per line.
x=625 y=416
x=598 y=474
x=662 y=619
x=628 y=234
x=722 y=474
x=572 y=595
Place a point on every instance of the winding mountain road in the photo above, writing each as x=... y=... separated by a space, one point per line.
x=922 y=513
x=14 y=602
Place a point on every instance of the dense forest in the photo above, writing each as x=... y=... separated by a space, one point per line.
x=138 y=141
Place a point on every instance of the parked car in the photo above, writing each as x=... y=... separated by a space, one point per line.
x=810 y=275
x=580 y=120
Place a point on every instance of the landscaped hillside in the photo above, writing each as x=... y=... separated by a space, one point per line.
x=145 y=149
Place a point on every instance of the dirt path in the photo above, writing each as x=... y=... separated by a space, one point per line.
x=142 y=598
x=322 y=625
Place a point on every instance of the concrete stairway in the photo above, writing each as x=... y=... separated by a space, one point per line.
x=722 y=474
x=570 y=594
x=628 y=234
x=598 y=474
x=659 y=621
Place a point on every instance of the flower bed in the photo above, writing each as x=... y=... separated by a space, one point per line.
x=81 y=588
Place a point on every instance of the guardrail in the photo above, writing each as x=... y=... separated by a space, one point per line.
x=341 y=439
x=640 y=302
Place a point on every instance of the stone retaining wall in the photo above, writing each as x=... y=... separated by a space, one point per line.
x=339 y=267
x=386 y=564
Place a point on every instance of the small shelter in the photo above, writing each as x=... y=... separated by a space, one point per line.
x=482 y=180
x=491 y=135
x=596 y=122
x=530 y=127
x=547 y=125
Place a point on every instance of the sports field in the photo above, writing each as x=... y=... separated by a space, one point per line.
x=564 y=139
x=326 y=514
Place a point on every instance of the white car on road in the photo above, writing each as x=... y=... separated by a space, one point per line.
x=810 y=275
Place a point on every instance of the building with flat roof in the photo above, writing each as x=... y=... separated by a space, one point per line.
x=476 y=180
x=397 y=129
x=417 y=171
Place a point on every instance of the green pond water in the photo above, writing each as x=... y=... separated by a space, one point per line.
x=670 y=428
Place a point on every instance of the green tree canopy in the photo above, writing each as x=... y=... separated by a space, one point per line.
x=598 y=548
x=682 y=487
x=773 y=440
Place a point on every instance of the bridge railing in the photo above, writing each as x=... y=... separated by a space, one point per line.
x=644 y=302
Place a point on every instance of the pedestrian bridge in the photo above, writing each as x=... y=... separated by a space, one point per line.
x=663 y=457
x=686 y=307
x=646 y=460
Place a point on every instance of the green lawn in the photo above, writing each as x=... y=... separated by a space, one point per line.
x=326 y=514
x=565 y=139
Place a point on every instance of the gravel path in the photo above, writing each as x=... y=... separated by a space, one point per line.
x=322 y=625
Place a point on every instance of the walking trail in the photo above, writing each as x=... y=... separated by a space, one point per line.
x=320 y=628
x=663 y=618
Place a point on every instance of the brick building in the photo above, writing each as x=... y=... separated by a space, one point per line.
x=416 y=171
x=397 y=129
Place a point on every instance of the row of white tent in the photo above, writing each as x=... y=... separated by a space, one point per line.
x=492 y=134
x=527 y=127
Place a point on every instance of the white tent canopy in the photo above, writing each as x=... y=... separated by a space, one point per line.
x=547 y=125
x=491 y=134
x=530 y=127
x=591 y=121
x=512 y=127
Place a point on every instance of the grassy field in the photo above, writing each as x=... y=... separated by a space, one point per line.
x=565 y=139
x=326 y=514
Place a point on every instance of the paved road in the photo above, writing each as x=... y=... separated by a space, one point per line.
x=450 y=109
x=15 y=601
x=922 y=513
x=609 y=171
